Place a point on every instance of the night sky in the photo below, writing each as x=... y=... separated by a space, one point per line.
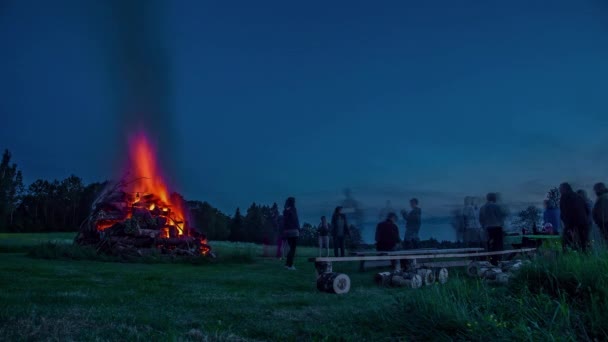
x=256 y=100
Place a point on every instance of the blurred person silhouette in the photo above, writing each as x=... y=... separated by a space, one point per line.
x=323 y=231
x=339 y=230
x=575 y=215
x=291 y=225
x=413 y=221
x=600 y=210
x=492 y=218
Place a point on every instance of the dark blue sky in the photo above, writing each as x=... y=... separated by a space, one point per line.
x=254 y=101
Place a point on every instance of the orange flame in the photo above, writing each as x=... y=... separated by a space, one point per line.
x=145 y=169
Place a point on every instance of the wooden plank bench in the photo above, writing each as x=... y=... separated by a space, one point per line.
x=384 y=263
x=323 y=265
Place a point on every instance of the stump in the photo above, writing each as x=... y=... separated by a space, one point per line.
x=337 y=283
x=477 y=268
x=398 y=279
x=428 y=276
x=442 y=275
x=411 y=280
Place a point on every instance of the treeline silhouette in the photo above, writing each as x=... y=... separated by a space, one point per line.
x=62 y=205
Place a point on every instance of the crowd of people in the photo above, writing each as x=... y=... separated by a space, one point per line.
x=337 y=228
x=566 y=212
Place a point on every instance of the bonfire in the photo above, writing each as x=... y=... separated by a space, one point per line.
x=137 y=215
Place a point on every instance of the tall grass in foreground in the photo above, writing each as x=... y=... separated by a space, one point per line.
x=560 y=299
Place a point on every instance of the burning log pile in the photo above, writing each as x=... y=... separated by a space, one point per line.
x=134 y=224
x=137 y=217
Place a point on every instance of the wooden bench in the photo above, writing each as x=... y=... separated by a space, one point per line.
x=384 y=263
x=323 y=265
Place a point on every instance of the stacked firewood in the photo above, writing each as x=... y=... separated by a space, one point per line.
x=127 y=224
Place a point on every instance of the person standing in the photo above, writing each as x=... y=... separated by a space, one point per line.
x=575 y=215
x=292 y=230
x=339 y=229
x=323 y=231
x=472 y=227
x=492 y=218
x=387 y=236
x=600 y=209
x=551 y=215
x=412 y=224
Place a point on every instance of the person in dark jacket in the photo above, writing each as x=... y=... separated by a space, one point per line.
x=412 y=224
x=492 y=218
x=339 y=230
x=575 y=215
x=291 y=225
x=387 y=233
x=600 y=209
x=387 y=236
x=323 y=231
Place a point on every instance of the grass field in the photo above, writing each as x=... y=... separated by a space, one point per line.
x=242 y=296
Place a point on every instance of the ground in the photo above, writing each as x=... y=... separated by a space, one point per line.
x=260 y=300
x=244 y=296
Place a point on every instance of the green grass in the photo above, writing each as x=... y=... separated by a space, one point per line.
x=243 y=296
x=13 y=243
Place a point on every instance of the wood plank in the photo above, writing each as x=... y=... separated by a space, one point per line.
x=421 y=251
x=436 y=251
x=421 y=256
x=452 y=263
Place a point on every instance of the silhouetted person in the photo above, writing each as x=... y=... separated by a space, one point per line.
x=413 y=221
x=575 y=215
x=292 y=230
x=492 y=218
x=387 y=235
x=339 y=230
x=356 y=216
x=323 y=231
x=600 y=209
